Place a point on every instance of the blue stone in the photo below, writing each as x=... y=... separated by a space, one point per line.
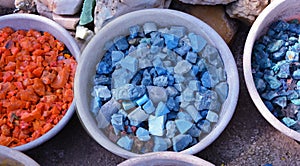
x=130 y=63
x=292 y=56
x=172 y=104
x=288 y=121
x=269 y=105
x=161 y=81
x=171 y=41
x=125 y=142
x=194 y=131
x=184 y=116
x=222 y=90
x=280 y=101
x=204 y=113
x=143 y=134
x=204 y=125
x=194 y=113
x=272 y=81
x=154 y=49
x=194 y=70
x=121 y=43
x=181 y=141
x=296 y=101
x=142 y=100
x=136 y=91
x=172 y=91
x=96 y=105
x=206 y=79
x=279 y=26
x=275 y=46
x=182 y=67
x=284 y=71
x=102 y=80
x=160 y=144
x=197 y=42
x=160 y=70
x=156 y=125
x=104 y=68
x=157 y=62
x=117 y=123
x=182 y=50
x=171 y=79
x=269 y=95
x=134 y=30
x=161 y=109
x=191 y=57
x=183 y=125
x=188 y=95
x=116 y=56
x=148 y=107
x=101 y=91
x=194 y=85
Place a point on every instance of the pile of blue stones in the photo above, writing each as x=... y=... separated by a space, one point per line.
x=158 y=89
x=276 y=71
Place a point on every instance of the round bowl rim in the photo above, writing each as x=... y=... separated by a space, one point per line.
x=248 y=72
x=207 y=139
x=17 y=155
x=76 y=53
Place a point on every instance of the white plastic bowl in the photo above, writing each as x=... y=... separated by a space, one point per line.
x=94 y=51
x=279 y=9
x=30 y=21
x=165 y=158
x=9 y=156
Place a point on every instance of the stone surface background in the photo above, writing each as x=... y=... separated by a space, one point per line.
x=248 y=139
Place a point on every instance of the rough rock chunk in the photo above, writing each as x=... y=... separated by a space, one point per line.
x=246 y=10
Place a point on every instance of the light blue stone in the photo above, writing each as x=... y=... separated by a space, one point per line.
x=182 y=67
x=188 y=95
x=127 y=105
x=191 y=57
x=179 y=87
x=181 y=141
x=183 y=125
x=222 y=90
x=269 y=95
x=171 y=129
x=156 y=125
x=117 y=123
x=179 y=78
x=101 y=91
x=212 y=56
x=161 y=109
x=194 y=85
x=125 y=142
x=142 y=100
x=161 y=81
x=121 y=93
x=171 y=91
x=96 y=105
x=197 y=42
x=296 y=101
x=130 y=63
x=148 y=107
x=296 y=74
x=178 y=31
x=172 y=104
x=157 y=94
x=120 y=77
x=149 y=27
x=212 y=116
x=205 y=126
x=157 y=62
x=160 y=144
x=281 y=101
x=137 y=116
x=288 y=121
x=194 y=113
x=143 y=134
x=154 y=49
x=116 y=56
x=123 y=112
x=107 y=110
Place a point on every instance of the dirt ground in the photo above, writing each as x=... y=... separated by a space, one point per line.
x=248 y=139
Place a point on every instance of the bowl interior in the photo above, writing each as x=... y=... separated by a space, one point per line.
x=94 y=51
x=30 y=21
x=279 y=9
x=9 y=156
